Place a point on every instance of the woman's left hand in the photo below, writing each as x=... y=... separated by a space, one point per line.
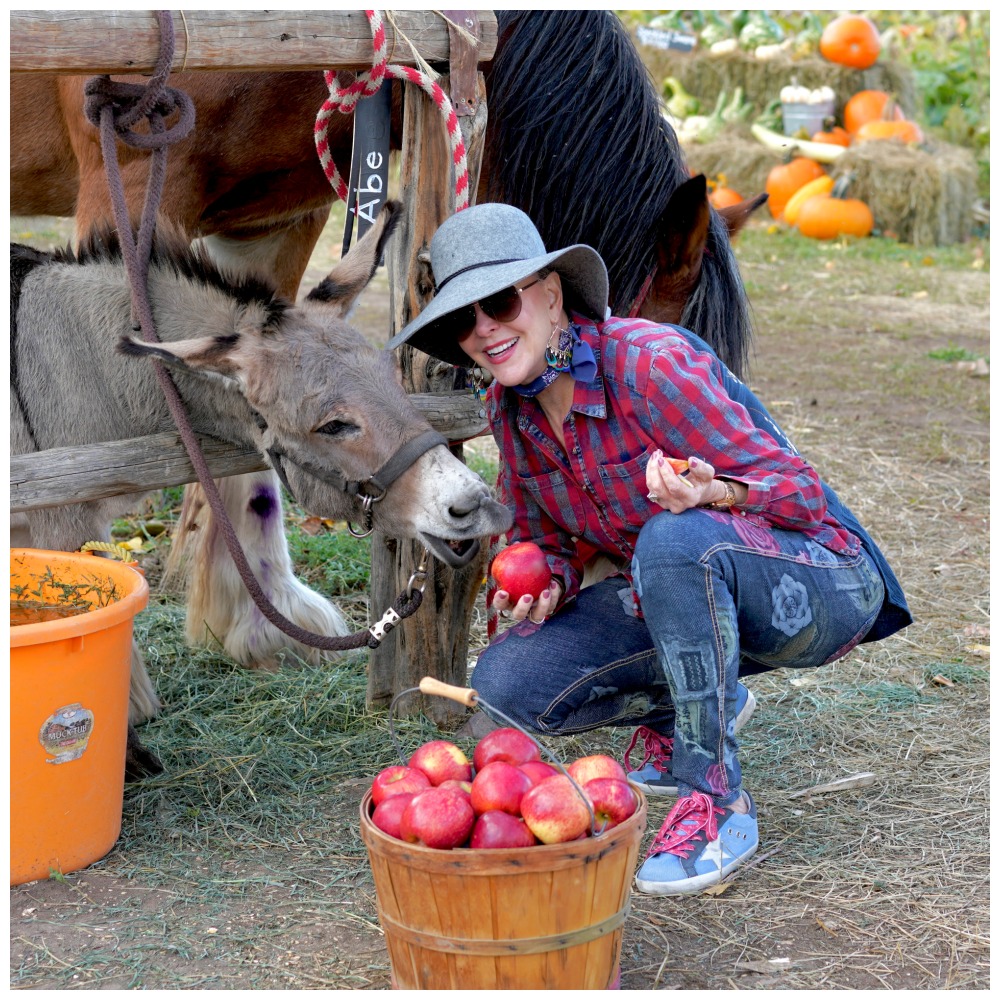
x=679 y=493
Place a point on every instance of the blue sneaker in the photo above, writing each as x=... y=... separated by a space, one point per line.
x=653 y=774
x=698 y=845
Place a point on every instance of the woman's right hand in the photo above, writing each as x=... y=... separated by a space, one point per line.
x=527 y=607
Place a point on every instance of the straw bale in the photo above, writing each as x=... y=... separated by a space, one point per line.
x=736 y=155
x=705 y=76
x=920 y=195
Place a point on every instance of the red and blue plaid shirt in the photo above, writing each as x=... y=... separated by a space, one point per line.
x=653 y=390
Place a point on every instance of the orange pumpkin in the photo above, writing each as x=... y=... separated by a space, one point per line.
x=825 y=217
x=836 y=136
x=785 y=179
x=723 y=197
x=851 y=40
x=905 y=131
x=870 y=106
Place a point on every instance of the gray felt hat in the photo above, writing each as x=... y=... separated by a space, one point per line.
x=482 y=250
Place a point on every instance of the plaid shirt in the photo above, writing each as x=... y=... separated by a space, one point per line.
x=654 y=390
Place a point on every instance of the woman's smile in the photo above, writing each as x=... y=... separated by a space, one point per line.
x=501 y=352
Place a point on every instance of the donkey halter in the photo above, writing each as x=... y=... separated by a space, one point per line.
x=367 y=492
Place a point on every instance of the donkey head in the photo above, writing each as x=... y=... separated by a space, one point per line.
x=329 y=410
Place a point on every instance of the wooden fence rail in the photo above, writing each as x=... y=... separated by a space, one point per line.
x=128 y=41
x=137 y=465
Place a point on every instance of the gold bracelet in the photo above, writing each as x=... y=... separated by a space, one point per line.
x=729 y=500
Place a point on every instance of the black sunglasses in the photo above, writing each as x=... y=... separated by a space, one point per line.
x=503 y=306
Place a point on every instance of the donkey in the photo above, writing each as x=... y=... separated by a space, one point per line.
x=295 y=382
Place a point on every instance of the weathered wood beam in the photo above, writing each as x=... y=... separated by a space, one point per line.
x=137 y=465
x=128 y=41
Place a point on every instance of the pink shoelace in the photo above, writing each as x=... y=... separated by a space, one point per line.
x=657 y=748
x=694 y=814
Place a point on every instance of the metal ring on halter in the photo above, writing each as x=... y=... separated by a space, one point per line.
x=367 y=502
x=420 y=573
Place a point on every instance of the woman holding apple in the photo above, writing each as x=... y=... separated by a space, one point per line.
x=629 y=439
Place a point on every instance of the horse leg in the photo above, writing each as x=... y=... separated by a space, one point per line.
x=220 y=610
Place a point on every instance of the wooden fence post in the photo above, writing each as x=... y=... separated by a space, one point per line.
x=435 y=640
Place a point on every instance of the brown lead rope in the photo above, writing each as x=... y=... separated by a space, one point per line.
x=115 y=108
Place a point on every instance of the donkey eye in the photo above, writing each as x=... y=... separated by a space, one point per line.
x=336 y=427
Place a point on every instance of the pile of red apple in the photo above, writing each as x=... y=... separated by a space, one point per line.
x=507 y=796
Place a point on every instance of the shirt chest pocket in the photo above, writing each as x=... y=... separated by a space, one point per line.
x=560 y=500
x=625 y=488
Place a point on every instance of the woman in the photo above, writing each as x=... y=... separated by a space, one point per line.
x=741 y=562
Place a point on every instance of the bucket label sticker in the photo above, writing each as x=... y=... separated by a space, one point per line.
x=66 y=732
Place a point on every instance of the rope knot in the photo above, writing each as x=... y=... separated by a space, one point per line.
x=131 y=103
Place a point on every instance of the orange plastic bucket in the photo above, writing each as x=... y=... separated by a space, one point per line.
x=69 y=687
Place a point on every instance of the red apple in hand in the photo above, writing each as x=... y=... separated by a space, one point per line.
x=506 y=744
x=499 y=786
x=441 y=760
x=499 y=829
x=521 y=569
x=597 y=765
x=612 y=799
x=389 y=812
x=538 y=770
x=396 y=780
x=554 y=811
x=437 y=817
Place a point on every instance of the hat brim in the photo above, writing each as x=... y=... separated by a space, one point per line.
x=580 y=268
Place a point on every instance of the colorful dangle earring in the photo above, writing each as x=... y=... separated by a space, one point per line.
x=478 y=386
x=559 y=357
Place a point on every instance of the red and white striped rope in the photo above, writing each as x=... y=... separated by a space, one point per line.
x=367 y=83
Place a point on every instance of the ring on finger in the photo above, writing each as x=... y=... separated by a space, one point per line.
x=653 y=497
x=536 y=622
x=505 y=614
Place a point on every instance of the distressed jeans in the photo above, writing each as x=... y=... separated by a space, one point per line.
x=721 y=595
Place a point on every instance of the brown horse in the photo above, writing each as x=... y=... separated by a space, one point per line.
x=576 y=139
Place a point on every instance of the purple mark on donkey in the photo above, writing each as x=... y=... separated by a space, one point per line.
x=264 y=503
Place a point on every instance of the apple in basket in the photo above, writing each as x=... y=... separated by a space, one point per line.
x=465 y=787
x=612 y=799
x=495 y=829
x=597 y=765
x=398 y=779
x=438 y=817
x=506 y=744
x=538 y=770
x=441 y=760
x=555 y=811
x=499 y=786
x=521 y=569
x=388 y=814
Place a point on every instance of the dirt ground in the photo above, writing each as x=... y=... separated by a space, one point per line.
x=871 y=367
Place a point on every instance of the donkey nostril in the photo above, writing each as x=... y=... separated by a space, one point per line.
x=458 y=511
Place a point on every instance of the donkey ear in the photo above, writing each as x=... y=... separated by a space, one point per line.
x=208 y=357
x=341 y=287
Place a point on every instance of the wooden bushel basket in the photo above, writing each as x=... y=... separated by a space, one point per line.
x=546 y=917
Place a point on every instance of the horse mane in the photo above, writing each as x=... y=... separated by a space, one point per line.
x=171 y=251
x=580 y=144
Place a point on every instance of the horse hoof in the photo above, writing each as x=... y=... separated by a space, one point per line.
x=139 y=761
